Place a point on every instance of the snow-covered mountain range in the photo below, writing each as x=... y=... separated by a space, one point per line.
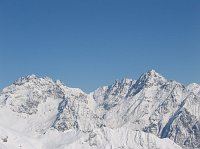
x=148 y=113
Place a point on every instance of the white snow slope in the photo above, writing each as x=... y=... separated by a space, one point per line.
x=148 y=113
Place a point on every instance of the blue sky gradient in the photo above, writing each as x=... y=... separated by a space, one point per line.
x=91 y=43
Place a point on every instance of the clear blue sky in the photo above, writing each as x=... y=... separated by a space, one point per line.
x=90 y=43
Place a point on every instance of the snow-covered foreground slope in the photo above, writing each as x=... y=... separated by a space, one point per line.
x=104 y=138
x=150 y=112
x=107 y=138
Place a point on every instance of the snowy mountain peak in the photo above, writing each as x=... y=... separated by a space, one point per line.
x=33 y=79
x=152 y=74
x=150 y=78
x=152 y=71
x=22 y=80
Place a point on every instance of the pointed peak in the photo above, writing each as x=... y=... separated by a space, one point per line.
x=152 y=71
x=152 y=74
x=151 y=77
